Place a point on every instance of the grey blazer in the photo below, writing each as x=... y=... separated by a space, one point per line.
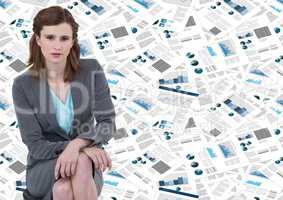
x=94 y=114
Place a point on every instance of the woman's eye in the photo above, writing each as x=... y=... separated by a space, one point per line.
x=64 y=38
x=50 y=37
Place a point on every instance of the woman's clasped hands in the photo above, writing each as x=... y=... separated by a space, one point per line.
x=67 y=161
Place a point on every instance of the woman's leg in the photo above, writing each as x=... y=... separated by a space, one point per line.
x=83 y=184
x=62 y=189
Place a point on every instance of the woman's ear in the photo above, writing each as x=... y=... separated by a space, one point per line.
x=37 y=40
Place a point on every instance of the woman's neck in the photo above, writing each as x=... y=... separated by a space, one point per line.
x=55 y=72
x=55 y=76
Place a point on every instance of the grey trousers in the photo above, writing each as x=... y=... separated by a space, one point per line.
x=40 y=180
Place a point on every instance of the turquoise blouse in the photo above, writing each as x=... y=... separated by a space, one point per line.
x=64 y=112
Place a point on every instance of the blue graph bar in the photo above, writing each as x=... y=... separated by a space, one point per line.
x=133 y=9
x=280 y=102
x=114 y=173
x=179 y=193
x=258 y=173
x=211 y=51
x=114 y=82
x=211 y=153
x=3 y=106
x=276 y=110
x=227 y=101
x=4 y=4
x=116 y=72
x=143 y=104
x=276 y=9
x=225 y=49
x=113 y=183
x=258 y=82
x=241 y=111
x=145 y=3
x=226 y=151
x=162 y=183
x=20 y=189
x=256 y=183
x=258 y=72
x=97 y=9
x=178 y=91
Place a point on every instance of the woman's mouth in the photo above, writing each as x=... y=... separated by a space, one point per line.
x=56 y=55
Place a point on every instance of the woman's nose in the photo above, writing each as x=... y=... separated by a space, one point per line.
x=58 y=44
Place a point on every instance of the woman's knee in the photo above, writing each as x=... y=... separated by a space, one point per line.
x=63 y=188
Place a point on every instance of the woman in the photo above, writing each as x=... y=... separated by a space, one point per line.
x=56 y=101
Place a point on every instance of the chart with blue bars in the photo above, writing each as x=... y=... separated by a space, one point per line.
x=178 y=79
x=178 y=181
x=196 y=86
x=242 y=9
x=99 y=9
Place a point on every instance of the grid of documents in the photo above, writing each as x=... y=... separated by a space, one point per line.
x=197 y=87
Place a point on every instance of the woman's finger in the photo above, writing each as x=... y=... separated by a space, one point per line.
x=57 y=169
x=104 y=160
x=68 y=169
x=99 y=160
x=73 y=168
x=94 y=159
x=62 y=170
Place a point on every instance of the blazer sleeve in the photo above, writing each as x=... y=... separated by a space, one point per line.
x=30 y=130
x=103 y=112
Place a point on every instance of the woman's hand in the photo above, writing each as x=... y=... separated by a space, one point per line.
x=67 y=162
x=99 y=157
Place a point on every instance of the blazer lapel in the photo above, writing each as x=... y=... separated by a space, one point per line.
x=46 y=104
x=76 y=96
x=51 y=112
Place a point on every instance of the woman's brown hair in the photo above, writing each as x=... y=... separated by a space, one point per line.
x=50 y=16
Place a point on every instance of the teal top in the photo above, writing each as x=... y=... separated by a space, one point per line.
x=64 y=112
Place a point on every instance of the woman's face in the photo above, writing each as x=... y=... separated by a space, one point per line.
x=55 y=43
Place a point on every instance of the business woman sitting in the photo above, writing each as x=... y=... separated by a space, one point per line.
x=64 y=111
